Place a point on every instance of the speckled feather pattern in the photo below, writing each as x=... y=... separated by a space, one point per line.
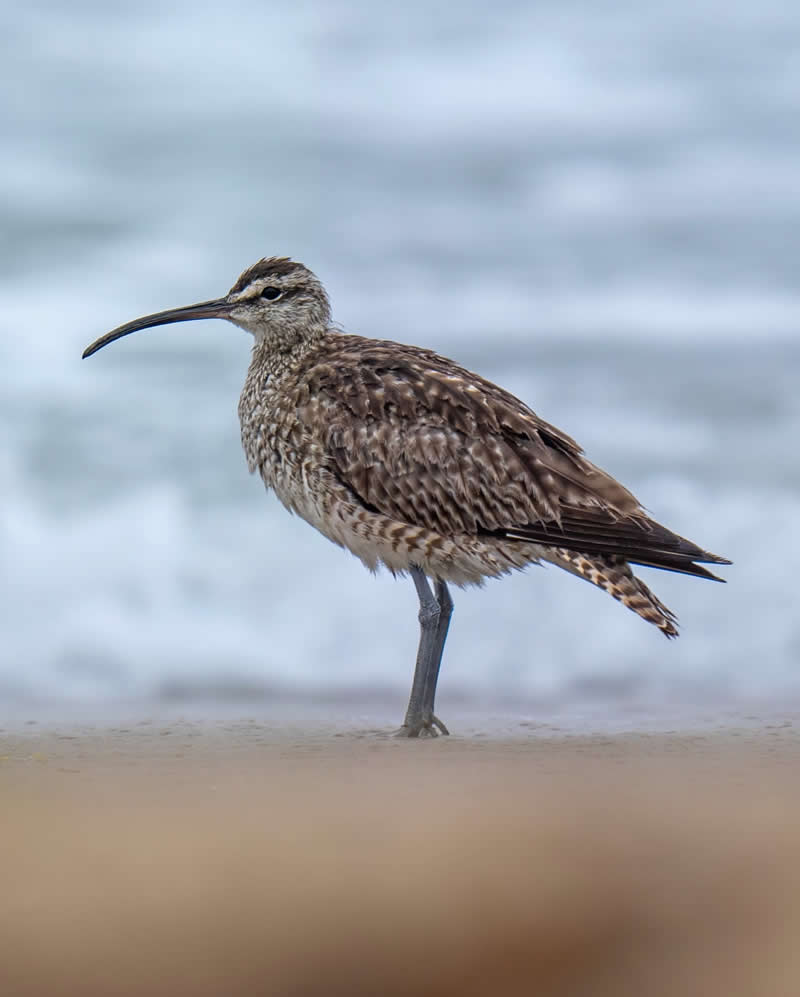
x=403 y=457
x=410 y=461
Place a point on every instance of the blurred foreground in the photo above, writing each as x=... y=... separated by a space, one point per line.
x=162 y=859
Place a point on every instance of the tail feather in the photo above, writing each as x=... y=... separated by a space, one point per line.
x=614 y=575
x=597 y=532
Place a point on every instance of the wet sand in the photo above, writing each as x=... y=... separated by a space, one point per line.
x=304 y=851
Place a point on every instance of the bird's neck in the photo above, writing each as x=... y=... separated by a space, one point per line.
x=282 y=350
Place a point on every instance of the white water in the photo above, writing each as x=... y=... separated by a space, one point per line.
x=595 y=205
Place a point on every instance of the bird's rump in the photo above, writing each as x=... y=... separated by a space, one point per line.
x=422 y=440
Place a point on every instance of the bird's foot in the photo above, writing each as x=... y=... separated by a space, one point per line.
x=420 y=726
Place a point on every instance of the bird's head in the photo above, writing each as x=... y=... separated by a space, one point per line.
x=277 y=300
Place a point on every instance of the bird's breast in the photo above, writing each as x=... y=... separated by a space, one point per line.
x=276 y=442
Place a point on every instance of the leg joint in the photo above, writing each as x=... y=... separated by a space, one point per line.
x=428 y=614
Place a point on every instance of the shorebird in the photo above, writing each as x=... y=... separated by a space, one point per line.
x=411 y=461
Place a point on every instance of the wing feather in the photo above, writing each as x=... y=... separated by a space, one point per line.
x=427 y=442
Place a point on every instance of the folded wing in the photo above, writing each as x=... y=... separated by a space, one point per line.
x=424 y=441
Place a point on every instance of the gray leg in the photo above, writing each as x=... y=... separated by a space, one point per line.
x=432 y=677
x=434 y=618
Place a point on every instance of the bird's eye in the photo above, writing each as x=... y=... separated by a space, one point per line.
x=271 y=293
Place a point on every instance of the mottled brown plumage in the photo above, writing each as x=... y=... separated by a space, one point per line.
x=409 y=460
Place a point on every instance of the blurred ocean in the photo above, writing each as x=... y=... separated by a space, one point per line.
x=595 y=204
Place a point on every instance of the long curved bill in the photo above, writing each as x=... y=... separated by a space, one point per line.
x=219 y=308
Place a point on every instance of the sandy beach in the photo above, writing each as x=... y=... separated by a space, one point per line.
x=304 y=851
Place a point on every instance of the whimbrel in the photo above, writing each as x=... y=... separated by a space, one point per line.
x=409 y=460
